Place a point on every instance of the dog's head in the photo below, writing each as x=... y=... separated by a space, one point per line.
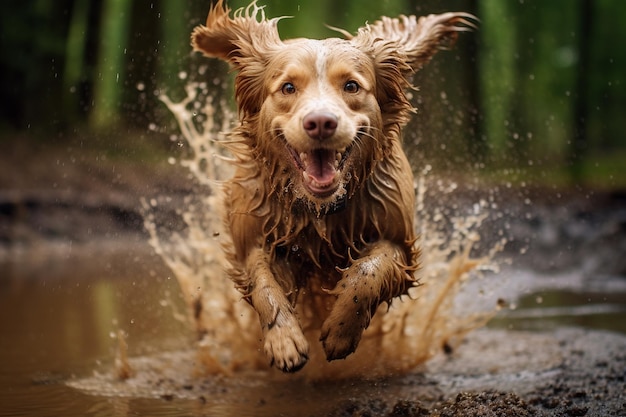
x=321 y=113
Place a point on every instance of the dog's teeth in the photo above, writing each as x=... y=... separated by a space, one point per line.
x=303 y=156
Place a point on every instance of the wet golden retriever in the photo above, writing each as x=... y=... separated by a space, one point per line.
x=321 y=206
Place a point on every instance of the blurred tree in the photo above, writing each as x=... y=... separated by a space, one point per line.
x=75 y=71
x=496 y=75
x=110 y=73
x=174 y=44
x=579 y=144
x=477 y=142
x=607 y=79
x=32 y=39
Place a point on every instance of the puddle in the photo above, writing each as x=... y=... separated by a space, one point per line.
x=61 y=326
x=550 y=309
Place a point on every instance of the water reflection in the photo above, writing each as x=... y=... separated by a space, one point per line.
x=553 y=308
x=57 y=315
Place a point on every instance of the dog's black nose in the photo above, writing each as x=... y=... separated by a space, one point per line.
x=320 y=125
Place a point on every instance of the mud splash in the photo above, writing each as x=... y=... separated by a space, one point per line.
x=401 y=337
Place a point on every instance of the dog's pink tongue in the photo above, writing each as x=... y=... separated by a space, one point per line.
x=321 y=166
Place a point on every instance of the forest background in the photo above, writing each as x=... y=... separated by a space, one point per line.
x=537 y=93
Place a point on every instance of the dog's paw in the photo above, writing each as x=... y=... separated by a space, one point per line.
x=286 y=347
x=342 y=331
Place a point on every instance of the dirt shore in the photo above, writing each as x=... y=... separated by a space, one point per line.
x=568 y=372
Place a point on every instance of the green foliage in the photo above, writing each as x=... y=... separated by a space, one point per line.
x=530 y=66
x=514 y=85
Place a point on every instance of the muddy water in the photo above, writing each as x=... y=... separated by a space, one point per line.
x=63 y=306
x=60 y=313
x=553 y=308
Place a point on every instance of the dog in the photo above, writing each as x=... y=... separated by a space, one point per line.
x=321 y=205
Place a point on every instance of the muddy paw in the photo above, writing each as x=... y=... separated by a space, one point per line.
x=341 y=333
x=286 y=347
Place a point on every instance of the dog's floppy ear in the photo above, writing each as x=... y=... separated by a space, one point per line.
x=416 y=39
x=248 y=33
x=246 y=41
x=401 y=46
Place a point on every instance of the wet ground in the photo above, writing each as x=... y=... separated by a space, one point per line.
x=76 y=268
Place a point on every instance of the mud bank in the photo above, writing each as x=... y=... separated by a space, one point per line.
x=568 y=372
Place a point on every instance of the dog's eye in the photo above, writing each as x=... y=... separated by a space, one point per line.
x=351 y=87
x=288 y=88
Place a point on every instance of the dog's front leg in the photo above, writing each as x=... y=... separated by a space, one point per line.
x=376 y=277
x=284 y=343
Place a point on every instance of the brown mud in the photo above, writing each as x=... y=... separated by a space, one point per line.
x=60 y=200
x=569 y=372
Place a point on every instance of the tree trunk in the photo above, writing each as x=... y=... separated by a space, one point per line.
x=110 y=71
x=579 y=144
x=74 y=73
x=476 y=137
x=175 y=41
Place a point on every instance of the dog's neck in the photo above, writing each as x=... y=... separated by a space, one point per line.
x=338 y=205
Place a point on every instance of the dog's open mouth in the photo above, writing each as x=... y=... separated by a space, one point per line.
x=321 y=169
